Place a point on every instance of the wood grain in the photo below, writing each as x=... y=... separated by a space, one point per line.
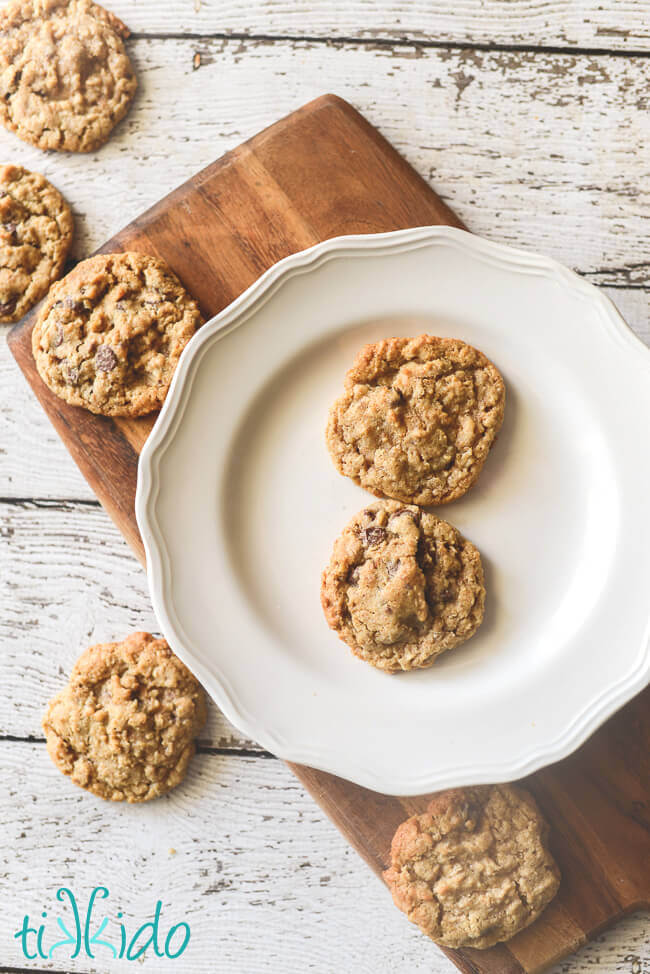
x=614 y=25
x=260 y=874
x=307 y=165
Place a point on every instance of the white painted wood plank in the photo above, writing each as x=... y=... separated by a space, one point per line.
x=265 y=882
x=69 y=581
x=614 y=24
x=535 y=149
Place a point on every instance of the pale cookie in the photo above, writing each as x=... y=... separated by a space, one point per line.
x=65 y=78
x=402 y=587
x=110 y=334
x=35 y=236
x=124 y=726
x=474 y=869
x=417 y=418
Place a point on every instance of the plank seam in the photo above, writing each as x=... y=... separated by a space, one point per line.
x=240 y=752
x=389 y=42
x=47 y=503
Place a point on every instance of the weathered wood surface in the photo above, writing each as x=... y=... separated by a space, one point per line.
x=615 y=25
x=257 y=872
x=500 y=134
x=443 y=109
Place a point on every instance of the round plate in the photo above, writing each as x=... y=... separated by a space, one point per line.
x=239 y=504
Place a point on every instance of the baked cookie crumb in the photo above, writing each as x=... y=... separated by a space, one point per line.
x=109 y=335
x=417 y=418
x=474 y=869
x=402 y=586
x=124 y=726
x=65 y=77
x=36 y=231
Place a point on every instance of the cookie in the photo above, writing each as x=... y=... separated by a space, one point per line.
x=474 y=869
x=124 y=726
x=402 y=587
x=417 y=418
x=65 y=78
x=35 y=236
x=109 y=335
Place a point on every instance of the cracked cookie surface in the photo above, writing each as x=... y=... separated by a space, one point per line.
x=417 y=418
x=402 y=586
x=65 y=77
x=110 y=334
x=124 y=726
x=36 y=231
x=474 y=869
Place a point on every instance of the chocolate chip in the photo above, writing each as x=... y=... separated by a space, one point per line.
x=72 y=304
x=10 y=229
x=57 y=337
x=372 y=536
x=391 y=567
x=105 y=359
x=8 y=307
x=353 y=576
x=72 y=374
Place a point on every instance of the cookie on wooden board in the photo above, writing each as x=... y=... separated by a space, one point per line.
x=36 y=231
x=417 y=418
x=65 y=77
x=402 y=586
x=124 y=726
x=474 y=869
x=110 y=334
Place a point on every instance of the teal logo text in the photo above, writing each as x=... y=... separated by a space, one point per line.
x=89 y=932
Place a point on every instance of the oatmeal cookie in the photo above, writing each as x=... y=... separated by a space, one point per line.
x=110 y=334
x=474 y=869
x=124 y=726
x=402 y=587
x=35 y=236
x=417 y=418
x=65 y=78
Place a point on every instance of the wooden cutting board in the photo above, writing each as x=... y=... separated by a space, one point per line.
x=321 y=172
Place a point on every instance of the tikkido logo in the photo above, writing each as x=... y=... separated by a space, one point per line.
x=109 y=936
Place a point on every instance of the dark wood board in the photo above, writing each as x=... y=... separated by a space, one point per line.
x=321 y=172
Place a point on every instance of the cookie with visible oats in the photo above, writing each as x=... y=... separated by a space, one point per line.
x=65 y=77
x=111 y=332
x=417 y=418
x=35 y=236
x=474 y=869
x=124 y=726
x=402 y=587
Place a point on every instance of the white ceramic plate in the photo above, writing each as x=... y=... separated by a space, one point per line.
x=239 y=503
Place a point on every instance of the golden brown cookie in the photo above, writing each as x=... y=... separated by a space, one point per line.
x=35 y=236
x=110 y=334
x=402 y=587
x=474 y=869
x=65 y=78
x=125 y=724
x=417 y=418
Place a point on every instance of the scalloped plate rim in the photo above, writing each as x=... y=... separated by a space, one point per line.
x=593 y=714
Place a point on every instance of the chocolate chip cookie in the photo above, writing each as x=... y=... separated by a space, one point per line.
x=417 y=418
x=402 y=587
x=110 y=334
x=65 y=78
x=35 y=236
x=124 y=726
x=474 y=869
